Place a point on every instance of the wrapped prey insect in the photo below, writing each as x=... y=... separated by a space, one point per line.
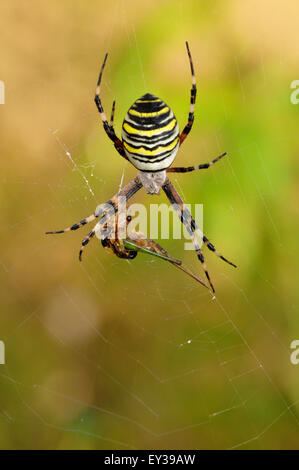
x=136 y=242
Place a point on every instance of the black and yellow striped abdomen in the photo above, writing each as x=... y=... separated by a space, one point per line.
x=150 y=134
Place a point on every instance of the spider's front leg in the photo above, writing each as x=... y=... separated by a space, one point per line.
x=188 y=221
x=107 y=209
x=110 y=208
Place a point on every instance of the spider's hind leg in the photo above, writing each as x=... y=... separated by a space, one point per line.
x=189 y=124
x=109 y=129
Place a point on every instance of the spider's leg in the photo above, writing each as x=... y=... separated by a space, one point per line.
x=76 y=226
x=203 y=166
x=86 y=240
x=190 y=225
x=112 y=114
x=109 y=129
x=128 y=191
x=207 y=242
x=97 y=228
x=189 y=124
x=168 y=186
x=182 y=213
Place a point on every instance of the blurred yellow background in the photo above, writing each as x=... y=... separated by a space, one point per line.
x=111 y=354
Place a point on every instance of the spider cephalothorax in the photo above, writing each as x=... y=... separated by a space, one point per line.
x=150 y=141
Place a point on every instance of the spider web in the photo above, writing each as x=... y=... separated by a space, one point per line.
x=134 y=354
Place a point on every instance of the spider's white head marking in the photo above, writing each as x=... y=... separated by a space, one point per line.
x=152 y=182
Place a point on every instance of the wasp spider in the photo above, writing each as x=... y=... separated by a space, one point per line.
x=150 y=141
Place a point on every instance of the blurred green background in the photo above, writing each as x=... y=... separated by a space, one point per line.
x=111 y=354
